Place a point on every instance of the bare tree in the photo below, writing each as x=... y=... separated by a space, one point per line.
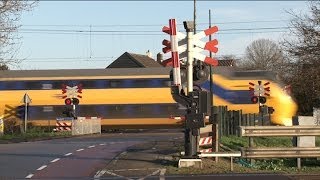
x=10 y=13
x=304 y=53
x=263 y=54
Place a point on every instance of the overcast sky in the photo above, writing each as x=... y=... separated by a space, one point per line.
x=84 y=34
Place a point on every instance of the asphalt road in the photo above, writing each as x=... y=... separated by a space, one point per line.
x=106 y=156
x=69 y=158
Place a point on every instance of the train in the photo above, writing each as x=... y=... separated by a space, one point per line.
x=130 y=97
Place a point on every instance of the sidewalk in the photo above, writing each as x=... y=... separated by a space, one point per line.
x=144 y=160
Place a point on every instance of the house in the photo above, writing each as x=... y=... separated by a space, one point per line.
x=131 y=60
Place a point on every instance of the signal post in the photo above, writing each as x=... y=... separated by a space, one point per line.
x=197 y=101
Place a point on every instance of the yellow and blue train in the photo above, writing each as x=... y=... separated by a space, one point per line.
x=129 y=97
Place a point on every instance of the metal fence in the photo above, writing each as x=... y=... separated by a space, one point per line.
x=86 y=126
x=230 y=120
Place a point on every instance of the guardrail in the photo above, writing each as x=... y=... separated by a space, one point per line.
x=285 y=152
x=280 y=152
x=258 y=131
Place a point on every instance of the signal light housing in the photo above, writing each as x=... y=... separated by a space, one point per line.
x=200 y=73
x=75 y=101
x=71 y=101
x=260 y=99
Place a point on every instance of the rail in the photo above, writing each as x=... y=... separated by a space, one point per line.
x=271 y=131
x=285 y=152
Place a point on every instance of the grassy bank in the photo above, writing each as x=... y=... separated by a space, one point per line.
x=32 y=134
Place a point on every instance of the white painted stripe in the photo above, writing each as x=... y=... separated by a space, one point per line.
x=117 y=175
x=55 y=160
x=91 y=146
x=68 y=154
x=80 y=150
x=174 y=43
x=99 y=174
x=42 y=167
x=102 y=144
x=181 y=35
x=29 y=176
x=119 y=170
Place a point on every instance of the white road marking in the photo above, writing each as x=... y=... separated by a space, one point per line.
x=102 y=144
x=162 y=172
x=68 y=154
x=55 y=160
x=42 y=167
x=80 y=150
x=91 y=146
x=99 y=174
x=113 y=174
x=119 y=170
x=29 y=176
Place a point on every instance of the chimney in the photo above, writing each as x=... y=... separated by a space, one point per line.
x=149 y=54
x=159 y=58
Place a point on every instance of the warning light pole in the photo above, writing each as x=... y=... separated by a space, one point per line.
x=259 y=93
x=71 y=94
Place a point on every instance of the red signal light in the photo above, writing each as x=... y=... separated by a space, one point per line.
x=68 y=101
x=254 y=99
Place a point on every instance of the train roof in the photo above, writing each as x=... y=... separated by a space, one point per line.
x=161 y=72
x=83 y=72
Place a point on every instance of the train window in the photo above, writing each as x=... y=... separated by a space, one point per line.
x=47 y=109
x=115 y=83
x=46 y=86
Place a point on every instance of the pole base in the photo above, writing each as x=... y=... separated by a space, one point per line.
x=196 y=163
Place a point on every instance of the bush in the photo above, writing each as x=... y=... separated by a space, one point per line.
x=12 y=126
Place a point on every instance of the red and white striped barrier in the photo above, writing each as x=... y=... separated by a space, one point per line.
x=175 y=53
x=205 y=141
x=63 y=126
x=206 y=150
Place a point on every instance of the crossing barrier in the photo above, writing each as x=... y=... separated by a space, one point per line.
x=63 y=124
x=86 y=125
x=79 y=126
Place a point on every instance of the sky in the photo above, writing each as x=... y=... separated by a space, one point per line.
x=92 y=34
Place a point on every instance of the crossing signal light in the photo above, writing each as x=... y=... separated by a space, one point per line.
x=75 y=101
x=68 y=101
x=254 y=99
x=200 y=73
x=260 y=99
x=71 y=101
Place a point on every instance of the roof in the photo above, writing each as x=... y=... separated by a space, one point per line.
x=131 y=60
x=230 y=62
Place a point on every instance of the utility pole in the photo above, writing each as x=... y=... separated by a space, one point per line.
x=213 y=120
